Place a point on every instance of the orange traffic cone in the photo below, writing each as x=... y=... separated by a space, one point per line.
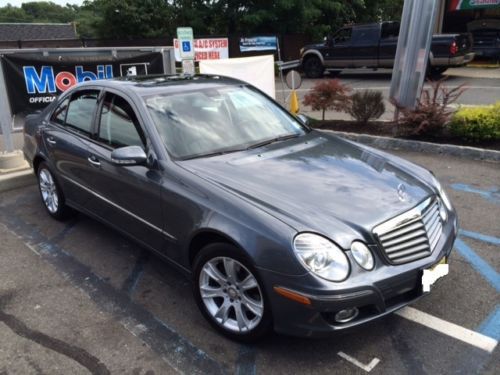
x=294 y=103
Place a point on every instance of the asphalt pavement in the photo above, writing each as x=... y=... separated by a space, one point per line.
x=482 y=87
x=78 y=298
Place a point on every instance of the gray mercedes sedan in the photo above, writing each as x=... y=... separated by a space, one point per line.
x=279 y=226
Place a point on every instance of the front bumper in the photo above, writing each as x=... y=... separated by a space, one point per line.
x=383 y=292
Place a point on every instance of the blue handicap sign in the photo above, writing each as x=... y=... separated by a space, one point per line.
x=186 y=46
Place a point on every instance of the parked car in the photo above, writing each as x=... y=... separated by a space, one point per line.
x=278 y=225
x=486 y=36
x=374 y=46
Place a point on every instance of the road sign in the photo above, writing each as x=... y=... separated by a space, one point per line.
x=185 y=36
x=293 y=80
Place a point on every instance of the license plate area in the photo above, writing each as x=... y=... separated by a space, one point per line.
x=434 y=273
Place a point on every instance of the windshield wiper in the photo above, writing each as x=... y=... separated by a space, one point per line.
x=256 y=145
x=273 y=140
x=215 y=153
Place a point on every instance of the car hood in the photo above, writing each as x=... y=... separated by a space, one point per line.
x=318 y=182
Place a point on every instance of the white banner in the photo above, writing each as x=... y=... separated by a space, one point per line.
x=258 y=71
x=206 y=49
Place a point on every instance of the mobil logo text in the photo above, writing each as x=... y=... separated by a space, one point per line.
x=44 y=80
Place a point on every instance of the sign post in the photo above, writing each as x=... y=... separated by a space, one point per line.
x=294 y=81
x=412 y=54
x=186 y=49
x=5 y=116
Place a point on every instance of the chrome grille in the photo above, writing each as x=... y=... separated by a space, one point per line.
x=412 y=235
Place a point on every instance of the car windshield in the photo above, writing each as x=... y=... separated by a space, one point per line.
x=217 y=120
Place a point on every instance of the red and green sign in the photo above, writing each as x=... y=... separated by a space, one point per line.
x=473 y=4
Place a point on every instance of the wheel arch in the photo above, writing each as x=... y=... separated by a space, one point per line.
x=313 y=53
x=38 y=159
x=204 y=237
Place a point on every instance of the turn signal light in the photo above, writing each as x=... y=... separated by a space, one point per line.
x=294 y=296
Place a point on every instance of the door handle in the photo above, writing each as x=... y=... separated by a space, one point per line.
x=94 y=161
x=51 y=140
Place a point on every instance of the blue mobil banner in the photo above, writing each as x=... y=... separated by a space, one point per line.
x=33 y=81
x=259 y=43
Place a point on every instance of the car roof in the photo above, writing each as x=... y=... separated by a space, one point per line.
x=162 y=84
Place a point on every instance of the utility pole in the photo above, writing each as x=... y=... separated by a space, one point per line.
x=412 y=55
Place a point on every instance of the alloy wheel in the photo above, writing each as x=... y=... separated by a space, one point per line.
x=48 y=189
x=231 y=294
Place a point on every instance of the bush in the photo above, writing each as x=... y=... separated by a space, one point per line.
x=367 y=105
x=328 y=94
x=432 y=112
x=477 y=123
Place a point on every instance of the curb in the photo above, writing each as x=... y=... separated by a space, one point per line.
x=16 y=180
x=387 y=143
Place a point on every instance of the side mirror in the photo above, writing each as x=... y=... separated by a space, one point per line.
x=129 y=155
x=329 y=41
x=303 y=119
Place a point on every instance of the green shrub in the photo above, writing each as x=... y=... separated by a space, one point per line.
x=367 y=105
x=477 y=123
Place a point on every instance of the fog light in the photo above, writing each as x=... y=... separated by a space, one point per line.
x=344 y=316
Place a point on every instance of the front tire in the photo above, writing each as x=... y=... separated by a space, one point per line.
x=313 y=68
x=51 y=194
x=229 y=293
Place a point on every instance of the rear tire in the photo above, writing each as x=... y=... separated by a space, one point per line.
x=230 y=294
x=313 y=68
x=435 y=72
x=51 y=194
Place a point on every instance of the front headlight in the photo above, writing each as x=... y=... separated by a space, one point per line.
x=362 y=255
x=321 y=256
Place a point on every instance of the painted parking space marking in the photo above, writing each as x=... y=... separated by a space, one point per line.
x=130 y=284
x=491 y=194
x=491 y=326
x=479 y=264
x=245 y=364
x=460 y=333
x=370 y=366
x=480 y=237
x=174 y=349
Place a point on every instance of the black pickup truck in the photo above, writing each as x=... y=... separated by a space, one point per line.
x=374 y=46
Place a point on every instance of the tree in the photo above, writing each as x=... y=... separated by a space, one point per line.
x=9 y=13
x=118 y=19
x=126 y=19
x=47 y=11
x=328 y=94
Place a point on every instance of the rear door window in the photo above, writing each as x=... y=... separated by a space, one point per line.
x=81 y=110
x=119 y=125
x=364 y=36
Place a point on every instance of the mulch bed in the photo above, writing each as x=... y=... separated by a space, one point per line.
x=388 y=129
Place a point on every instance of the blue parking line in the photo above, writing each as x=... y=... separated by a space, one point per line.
x=491 y=326
x=478 y=264
x=480 y=237
x=174 y=348
x=130 y=283
x=245 y=364
x=492 y=194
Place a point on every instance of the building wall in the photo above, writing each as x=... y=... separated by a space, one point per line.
x=457 y=21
